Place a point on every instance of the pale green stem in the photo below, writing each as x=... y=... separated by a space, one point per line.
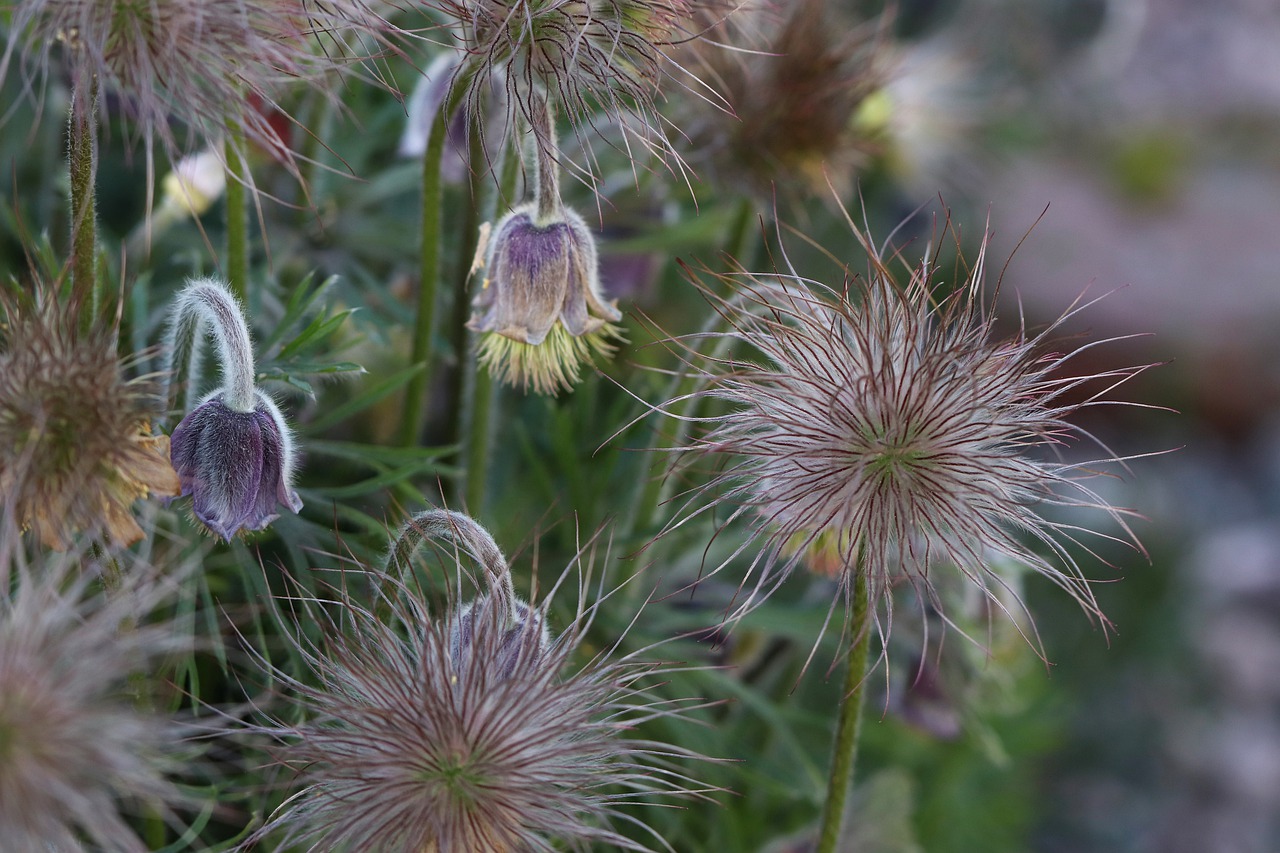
x=481 y=395
x=546 y=197
x=82 y=168
x=237 y=206
x=414 y=411
x=845 y=748
x=656 y=491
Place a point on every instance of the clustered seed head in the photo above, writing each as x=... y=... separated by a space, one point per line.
x=889 y=431
x=76 y=448
x=587 y=55
x=472 y=730
x=793 y=92
x=209 y=63
x=76 y=754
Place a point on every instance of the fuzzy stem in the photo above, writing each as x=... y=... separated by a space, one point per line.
x=546 y=194
x=463 y=532
x=474 y=200
x=481 y=395
x=237 y=206
x=845 y=747
x=82 y=168
x=413 y=412
x=208 y=300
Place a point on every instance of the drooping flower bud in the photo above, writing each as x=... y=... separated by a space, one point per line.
x=235 y=465
x=541 y=304
x=524 y=634
x=233 y=452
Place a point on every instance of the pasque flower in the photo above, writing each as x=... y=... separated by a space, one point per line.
x=890 y=431
x=540 y=306
x=76 y=755
x=233 y=452
x=76 y=449
x=467 y=730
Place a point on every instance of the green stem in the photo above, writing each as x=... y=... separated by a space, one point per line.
x=476 y=199
x=481 y=393
x=546 y=196
x=742 y=234
x=82 y=167
x=655 y=491
x=237 y=269
x=413 y=413
x=845 y=748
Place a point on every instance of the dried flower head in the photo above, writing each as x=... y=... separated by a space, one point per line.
x=793 y=92
x=234 y=453
x=541 y=310
x=76 y=449
x=468 y=730
x=590 y=56
x=207 y=63
x=889 y=431
x=76 y=754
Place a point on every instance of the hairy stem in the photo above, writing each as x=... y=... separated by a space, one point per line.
x=237 y=270
x=209 y=301
x=463 y=533
x=413 y=413
x=82 y=167
x=481 y=393
x=845 y=748
x=546 y=195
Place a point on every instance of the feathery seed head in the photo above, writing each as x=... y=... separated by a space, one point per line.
x=792 y=96
x=541 y=308
x=205 y=63
x=76 y=755
x=474 y=730
x=885 y=430
x=587 y=55
x=76 y=448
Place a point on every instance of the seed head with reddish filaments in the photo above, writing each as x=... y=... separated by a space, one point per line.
x=78 y=757
x=76 y=448
x=468 y=729
x=890 y=430
x=591 y=57
x=211 y=64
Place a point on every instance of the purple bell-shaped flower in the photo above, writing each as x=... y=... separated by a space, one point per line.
x=233 y=452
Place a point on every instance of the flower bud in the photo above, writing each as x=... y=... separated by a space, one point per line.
x=541 y=305
x=236 y=465
x=233 y=452
x=511 y=638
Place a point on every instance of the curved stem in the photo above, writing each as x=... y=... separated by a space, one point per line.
x=845 y=748
x=82 y=168
x=465 y=534
x=208 y=300
x=237 y=205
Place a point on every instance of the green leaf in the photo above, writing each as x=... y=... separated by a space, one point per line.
x=364 y=400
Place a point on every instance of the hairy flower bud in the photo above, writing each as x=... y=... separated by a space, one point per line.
x=525 y=633
x=235 y=465
x=540 y=304
x=233 y=452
